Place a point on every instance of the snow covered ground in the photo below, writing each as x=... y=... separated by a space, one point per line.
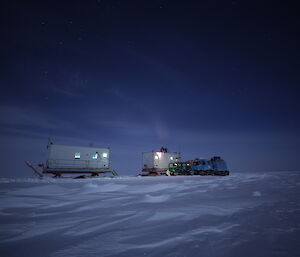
x=238 y=215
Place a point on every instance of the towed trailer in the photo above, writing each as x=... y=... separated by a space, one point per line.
x=157 y=163
x=78 y=160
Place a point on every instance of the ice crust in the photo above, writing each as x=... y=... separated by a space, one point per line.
x=243 y=214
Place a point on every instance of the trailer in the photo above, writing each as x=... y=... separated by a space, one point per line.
x=157 y=163
x=78 y=160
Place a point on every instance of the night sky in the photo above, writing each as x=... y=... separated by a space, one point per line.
x=201 y=77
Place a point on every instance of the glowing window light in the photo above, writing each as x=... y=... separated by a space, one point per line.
x=95 y=156
x=171 y=158
x=104 y=155
x=77 y=156
x=156 y=157
x=159 y=154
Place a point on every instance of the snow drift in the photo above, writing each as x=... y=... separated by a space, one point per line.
x=239 y=215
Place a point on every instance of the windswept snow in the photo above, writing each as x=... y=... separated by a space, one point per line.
x=256 y=193
x=238 y=215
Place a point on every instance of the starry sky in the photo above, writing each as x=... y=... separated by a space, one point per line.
x=201 y=77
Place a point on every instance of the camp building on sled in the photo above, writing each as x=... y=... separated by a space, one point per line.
x=157 y=163
x=65 y=159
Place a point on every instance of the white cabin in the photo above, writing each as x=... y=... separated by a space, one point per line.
x=160 y=160
x=64 y=157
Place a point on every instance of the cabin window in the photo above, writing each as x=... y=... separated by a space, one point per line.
x=156 y=157
x=77 y=156
x=95 y=156
x=171 y=158
x=104 y=155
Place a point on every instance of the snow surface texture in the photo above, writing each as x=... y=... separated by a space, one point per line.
x=238 y=215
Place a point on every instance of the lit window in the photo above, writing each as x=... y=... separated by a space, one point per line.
x=95 y=156
x=104 y=155
x=77 y=156
x=159 y=154
x=156 y=157
x=171 y=158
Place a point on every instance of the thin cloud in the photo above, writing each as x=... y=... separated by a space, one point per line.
x=26 y=117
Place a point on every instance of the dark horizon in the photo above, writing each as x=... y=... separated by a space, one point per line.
x=218 y=78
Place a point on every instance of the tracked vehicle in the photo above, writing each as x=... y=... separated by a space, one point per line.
x=215 y=166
